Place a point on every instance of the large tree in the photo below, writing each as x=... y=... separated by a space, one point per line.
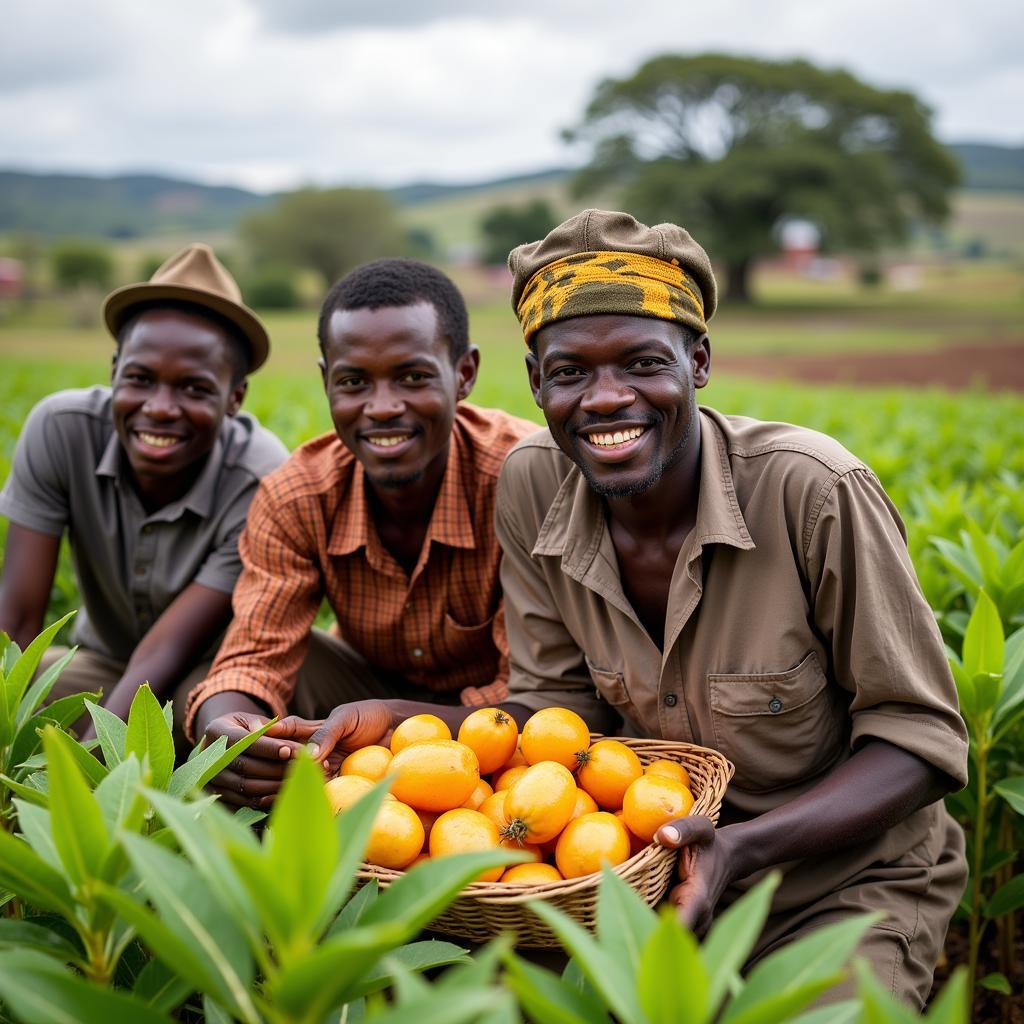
x=328 y=230
x=729 y=147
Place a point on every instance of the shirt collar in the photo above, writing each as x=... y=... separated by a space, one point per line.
x=575 y=522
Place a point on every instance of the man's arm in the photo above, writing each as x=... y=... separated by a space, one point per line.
x=30 y=563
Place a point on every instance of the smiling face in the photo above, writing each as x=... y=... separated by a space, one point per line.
x=618 y=396
x=172 y=385
x=393 y=389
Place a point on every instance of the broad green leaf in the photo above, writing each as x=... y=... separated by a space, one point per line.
x=421 y=894
x=1012 y=697
x=26 y=790
x=406 y=986
x=845 y=1012
x=480 y=969
x=612 y=980
x=987 y=689
x=984 y=553
x=40 y=689
x=270 y=902
x=415 y=956
x=1012 y=791
x=329 y=974
x=964 y=691
x=35 y=826
x=732 y=937
x=997 y=982
x=79 y=833
x=1007 y=898
x=121 y=803
x=189 y=959
x=983 y=643
x=624 y=921
x=16 y=681
x=950 y=1005
x=878 y=1007
x=213 y=1013
x=463 y=1006
x=161 y=987
x=149 y=734
x=110 y=731
x=205 y=764
x=302 y=847
x=26 y=935
x=189 y=907
x=248 y=816
x=672 y=983
x=821 y=954
x=546 y=997
x=963 y=564
x=38 y=988
x=353 y=911
x=92 y=770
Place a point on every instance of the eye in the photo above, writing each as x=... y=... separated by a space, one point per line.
x=134 y=376
x=349 y=383
x=196 y=388
x=566 y=371
x=645 y=363
x=414 y=377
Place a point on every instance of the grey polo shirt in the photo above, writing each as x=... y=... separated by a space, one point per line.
x=69 y=472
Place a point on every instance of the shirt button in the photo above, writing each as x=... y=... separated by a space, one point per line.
x=148 y=528
x=775 y=705
x=417 y=652
x=670 y=700
x=140 y=570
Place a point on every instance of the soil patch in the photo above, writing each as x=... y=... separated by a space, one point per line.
x=994 y=367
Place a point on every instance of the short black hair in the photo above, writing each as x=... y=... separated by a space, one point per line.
x=238 y=345
x=393 y=282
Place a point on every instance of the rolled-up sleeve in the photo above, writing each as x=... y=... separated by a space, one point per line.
x=885 y=644
x=546 y=666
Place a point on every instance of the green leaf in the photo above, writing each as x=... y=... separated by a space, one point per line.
x=415 y=956
x=625 y=922
x=34 y=823
x=801 y=964
x=1013 y=678
x=26 y=935
x=987 y=690
x=964 y=690
x=110 y=731
x=248 y=816
x=950 y=1005
x=547 y=998
x=205 y=764
x=40 y=689
x=1012 y=791
x=463 y=1006
x=984 y=553
x=353 y=911
x=329 y=974
x=38 y=988
x=149 y=734
x=15 y=682
x=983 y=643
x=121 y=803
x=421 y=894
x=672 y=983
x=1007 y=898
x=26 y=790
x=997 y=982
x=270 y=902
x=79 y=833
x=213 y=1013
x=845 y=1012
x=92 y=770
x=612 y=981
x=878 y=1006
x=732 y=937
x=161 y=987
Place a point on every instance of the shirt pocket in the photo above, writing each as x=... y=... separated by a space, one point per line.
x=778 y=728
x=466 y=644
x=611 y=686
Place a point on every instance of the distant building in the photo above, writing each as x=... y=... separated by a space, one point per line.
x=11 y=278
x=799 y=241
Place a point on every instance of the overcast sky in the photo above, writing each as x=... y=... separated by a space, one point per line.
x=276 y=93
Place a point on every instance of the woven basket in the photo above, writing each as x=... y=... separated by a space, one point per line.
x=486 y=909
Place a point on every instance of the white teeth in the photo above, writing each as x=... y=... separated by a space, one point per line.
x=619 y=437
x=157 y=440
x=389 y=442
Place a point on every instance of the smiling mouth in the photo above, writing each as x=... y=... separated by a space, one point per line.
x=157 y=440
x=614 y=439
x=388 y=440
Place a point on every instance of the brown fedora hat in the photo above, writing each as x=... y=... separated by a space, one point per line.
x=193 y=275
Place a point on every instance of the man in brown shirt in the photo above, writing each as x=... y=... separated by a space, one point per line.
x=685 y=575
x=390 y=519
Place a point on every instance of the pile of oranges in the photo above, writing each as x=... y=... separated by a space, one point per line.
x=570 y=804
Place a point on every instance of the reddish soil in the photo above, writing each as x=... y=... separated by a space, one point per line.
x=990 y=366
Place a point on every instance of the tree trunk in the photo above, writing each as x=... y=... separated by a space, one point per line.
x=737 y=281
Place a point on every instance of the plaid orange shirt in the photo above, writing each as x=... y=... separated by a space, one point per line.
x=309 y=535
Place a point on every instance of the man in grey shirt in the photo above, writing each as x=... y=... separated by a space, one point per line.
x=152 y=478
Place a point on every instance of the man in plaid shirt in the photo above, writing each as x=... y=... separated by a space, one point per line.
x=390 y=519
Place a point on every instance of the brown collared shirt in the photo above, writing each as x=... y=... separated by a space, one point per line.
x=310 y=535
x=795 y=629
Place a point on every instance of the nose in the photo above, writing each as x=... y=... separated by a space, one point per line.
x=162 y=404
x=607 y=394
x=384 y=404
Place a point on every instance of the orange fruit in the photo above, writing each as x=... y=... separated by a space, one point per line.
x=540 y=802
x=555 y=734
x=651 y=801
x=534 y=852
x=584 y=803
x=531 y=874
x=479 y=795
x=636 y=844
x=507 y=777
x=670 y=769
x=370 y=762
x=345 y=790
x=420 y=858
x=435 y=775
x=514 y=761
x=419 y=729
x=396 y=837
x=494 y=808
x=427 y=819
x=491 y=734
x=462 y=831
x=590 y=841
x=606 y=770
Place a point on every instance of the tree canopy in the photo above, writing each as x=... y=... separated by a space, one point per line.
x=504 y=227
x=729 y=147
x=326 y=230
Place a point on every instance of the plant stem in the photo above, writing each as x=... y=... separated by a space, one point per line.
x=981 y=809
x=99 y=967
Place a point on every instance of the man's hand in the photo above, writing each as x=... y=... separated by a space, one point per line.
x=705 y=868
x=348 y=727
x=253 y=778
